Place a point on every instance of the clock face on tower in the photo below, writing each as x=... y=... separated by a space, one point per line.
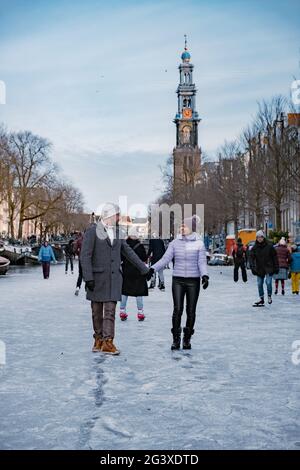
x=187 y=113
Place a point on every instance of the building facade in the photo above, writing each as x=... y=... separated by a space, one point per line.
x=29 y=227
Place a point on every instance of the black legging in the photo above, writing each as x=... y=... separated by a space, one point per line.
x=181 y=287
x=238 y=265
x=79 y=279
x=69 y=259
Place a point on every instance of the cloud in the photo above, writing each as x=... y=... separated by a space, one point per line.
x=91 y=76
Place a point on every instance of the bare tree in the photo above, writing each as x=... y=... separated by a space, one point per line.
x=270 y=124
x=255 y=172
x=8 y=178
x=35 y=173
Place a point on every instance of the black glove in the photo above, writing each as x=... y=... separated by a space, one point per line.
x=276 y=271
x=205 y=282
x=254 y=272
x=150 y=274
x=90 y=285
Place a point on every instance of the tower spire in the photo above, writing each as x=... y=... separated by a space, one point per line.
x=185 y=56
x=185 y=42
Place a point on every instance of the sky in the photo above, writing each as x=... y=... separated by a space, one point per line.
x=98 y=79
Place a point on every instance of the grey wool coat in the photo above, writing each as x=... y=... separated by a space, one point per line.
x=101 y=262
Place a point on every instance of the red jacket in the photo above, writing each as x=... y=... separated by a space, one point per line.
x=283 y=256
x=78 y=245
x=235 y=252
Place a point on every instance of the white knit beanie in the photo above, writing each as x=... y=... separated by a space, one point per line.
x=109 y=209
x=260 y=233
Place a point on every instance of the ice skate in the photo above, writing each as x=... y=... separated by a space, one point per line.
x=123 y=315
x=140 y=315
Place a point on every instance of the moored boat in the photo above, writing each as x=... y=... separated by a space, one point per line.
x=15 y=254
x=31 y=258
x=4 y=265
x=58 y=252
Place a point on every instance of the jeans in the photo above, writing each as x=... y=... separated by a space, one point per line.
x=260 y=284
x=161 y=277
x=139 y=302
x=182 y=288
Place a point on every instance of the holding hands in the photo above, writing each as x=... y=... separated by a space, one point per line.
x=150 y=274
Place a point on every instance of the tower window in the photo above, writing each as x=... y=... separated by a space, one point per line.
x=186 y=78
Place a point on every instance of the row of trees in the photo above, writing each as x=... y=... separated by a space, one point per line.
x=259 y=169
x=33 y=188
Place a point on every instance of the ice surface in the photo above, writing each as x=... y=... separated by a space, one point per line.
x=236 y=389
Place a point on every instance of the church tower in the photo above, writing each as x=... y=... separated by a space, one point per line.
x=186 y=154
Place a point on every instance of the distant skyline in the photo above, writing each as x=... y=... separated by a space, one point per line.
x=98 y=79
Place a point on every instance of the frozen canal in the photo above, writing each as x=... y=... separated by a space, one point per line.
x=237 y=388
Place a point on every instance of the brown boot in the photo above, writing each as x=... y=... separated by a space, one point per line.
x=108 y=347
x=97 y=345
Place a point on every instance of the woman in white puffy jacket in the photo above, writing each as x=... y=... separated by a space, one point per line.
x=189 y=256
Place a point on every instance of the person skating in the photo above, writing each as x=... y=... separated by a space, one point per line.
x=283 y=255
x=46 y=255
x=103 y=244
x=239 y=258
x=155 y=253
x=77 y=249
x=295 y=270
x=263 y=263
x=134 y=283
x=69 y=256
x=190 y=265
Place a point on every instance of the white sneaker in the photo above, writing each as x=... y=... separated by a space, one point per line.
x=77 y=291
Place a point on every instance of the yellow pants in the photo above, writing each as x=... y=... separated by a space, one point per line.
x=295 y=282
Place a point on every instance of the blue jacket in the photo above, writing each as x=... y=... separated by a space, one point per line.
x=46 y=253
x=295 y=262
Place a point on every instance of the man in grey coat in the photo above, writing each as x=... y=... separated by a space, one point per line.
x=102 y=247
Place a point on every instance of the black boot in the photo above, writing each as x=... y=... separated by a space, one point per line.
x=176 y=339
x=187 y=333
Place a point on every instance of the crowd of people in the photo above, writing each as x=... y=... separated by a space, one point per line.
x=115 y=268
x=268 y=262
